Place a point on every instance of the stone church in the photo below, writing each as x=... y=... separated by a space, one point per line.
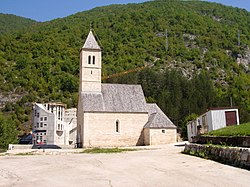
x=115 y=114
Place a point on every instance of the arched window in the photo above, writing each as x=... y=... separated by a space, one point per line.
x=89 y=61
x=93 y=59
x=117 y=126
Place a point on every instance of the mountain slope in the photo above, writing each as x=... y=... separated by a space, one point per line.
x=42 y=62
x=11 y=23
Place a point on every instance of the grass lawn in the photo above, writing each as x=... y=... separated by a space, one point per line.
x=237 y=130
x=106 y=150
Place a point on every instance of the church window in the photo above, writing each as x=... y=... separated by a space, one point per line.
x=163 y=131
x=93 y=59
x=89 y=61
x=91 y=72
x=117 y=126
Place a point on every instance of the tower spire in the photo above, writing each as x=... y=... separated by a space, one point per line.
x=91 y=42
x=90 y=65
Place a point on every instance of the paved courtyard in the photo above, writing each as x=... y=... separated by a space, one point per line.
x=155 y=168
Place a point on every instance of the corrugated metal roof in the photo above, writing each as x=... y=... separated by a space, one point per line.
x=91 y=42
x=115 y=98
x=157 y=119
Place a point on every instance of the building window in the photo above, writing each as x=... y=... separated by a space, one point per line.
x=37 y=115
x=41 y=124
x=117 y=126
x=45 y=118
x=93 y=59
x=35 y=112
x=163 y=131
x=41 y=118
x=37 y=125
x=89 y=60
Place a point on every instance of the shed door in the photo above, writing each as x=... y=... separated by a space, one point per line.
x=230 y=118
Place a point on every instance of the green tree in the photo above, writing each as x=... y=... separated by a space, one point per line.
x=8 y=132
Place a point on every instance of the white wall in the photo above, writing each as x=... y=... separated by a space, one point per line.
x=99 y=129
x=211 y=120
x=90 y=74
x=159 y=136
x=219 y=118
x=70 y=120
x=49 y=128
x=53 y=134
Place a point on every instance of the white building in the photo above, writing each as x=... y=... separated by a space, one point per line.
x=53 y=124
x=115 y=114
x=213 y=119
x=70 y=120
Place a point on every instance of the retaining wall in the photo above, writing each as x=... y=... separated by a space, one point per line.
x=239 y=157
x=237 y=141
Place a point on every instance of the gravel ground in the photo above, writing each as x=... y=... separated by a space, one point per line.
x=158 y=167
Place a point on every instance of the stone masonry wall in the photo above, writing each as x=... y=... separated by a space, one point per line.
x=239 y=157
x=159 y=136
x=100 y=129
x=237 y=141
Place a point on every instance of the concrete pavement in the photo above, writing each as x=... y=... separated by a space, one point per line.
x=161 y=167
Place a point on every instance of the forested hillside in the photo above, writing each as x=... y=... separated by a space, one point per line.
x=206 y=61
x=12 y=23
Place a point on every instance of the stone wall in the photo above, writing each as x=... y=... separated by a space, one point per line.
x=44 y=146
x=237 y=141
x=239 y=157
x=100 y=129
x=19 y=146
x=159 y=136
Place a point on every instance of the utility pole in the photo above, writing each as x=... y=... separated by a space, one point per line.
x=231 y=101
x=162 y=34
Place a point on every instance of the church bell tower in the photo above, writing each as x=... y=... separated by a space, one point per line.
x=90 y=66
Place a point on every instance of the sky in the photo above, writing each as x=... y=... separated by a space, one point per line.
x=46 y=10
